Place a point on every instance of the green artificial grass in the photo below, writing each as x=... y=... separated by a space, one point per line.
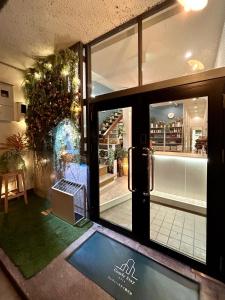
x=32 y=240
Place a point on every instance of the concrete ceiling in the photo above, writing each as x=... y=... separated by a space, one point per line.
x=38 y=28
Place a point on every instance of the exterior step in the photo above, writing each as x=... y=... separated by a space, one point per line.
x=106 y=179
x=102 y=170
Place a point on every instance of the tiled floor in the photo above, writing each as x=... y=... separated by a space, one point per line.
x=179 y=230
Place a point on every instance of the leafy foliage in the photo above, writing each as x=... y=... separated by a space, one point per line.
x=51 y=89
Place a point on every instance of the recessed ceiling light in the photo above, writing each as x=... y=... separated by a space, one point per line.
x=194 y=99
x=170 y=102
x=193 y=4
x=195 y=106
x=188 y=54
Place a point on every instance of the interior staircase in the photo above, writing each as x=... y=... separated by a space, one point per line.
x=104 y=177
x=108 y=138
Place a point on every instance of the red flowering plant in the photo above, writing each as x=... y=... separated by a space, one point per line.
x=12 y=158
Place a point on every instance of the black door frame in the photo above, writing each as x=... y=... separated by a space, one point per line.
x=214 y=89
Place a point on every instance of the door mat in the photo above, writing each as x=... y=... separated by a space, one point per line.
x=126 y=274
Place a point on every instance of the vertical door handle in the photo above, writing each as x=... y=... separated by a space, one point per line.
x=131 y=189
x=150 y=167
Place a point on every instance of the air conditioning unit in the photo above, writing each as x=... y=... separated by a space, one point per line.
x=68 y=201
x=6 y=102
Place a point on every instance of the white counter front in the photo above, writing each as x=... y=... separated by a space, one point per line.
x=181 y=177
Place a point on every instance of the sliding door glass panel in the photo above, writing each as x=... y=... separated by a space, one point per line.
x=178 y=140
x=178 y=43
x=114 y=62
x=114 y=142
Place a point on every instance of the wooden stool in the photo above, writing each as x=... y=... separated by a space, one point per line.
x=16 y=192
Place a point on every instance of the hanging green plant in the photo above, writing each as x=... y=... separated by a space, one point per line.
x=51 y=89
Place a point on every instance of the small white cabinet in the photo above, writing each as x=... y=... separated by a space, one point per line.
x=6 y=102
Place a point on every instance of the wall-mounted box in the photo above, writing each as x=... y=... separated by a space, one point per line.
x=6 y=94
x=6 y=102
x=21 y=109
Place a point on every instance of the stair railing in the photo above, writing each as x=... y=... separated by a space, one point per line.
x=112 y=126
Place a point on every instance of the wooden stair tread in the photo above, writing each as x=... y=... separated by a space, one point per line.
x=102 y=166
x=106 y=177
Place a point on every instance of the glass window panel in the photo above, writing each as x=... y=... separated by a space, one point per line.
x=177 y=43
x=178 y=177
x=115 y=62
x=114 y=141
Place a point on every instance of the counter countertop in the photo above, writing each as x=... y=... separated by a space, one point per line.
x=180 y=154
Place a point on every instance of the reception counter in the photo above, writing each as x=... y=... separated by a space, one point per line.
x=180 y=180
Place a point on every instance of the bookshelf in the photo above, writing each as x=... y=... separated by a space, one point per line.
x=167 y=138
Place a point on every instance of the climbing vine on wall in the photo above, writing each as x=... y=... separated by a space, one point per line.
x=51 y=89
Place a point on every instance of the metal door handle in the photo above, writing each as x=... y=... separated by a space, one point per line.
x=130 y=149
x=150 y=164
x=153 y=175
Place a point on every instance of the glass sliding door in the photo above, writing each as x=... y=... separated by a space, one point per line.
x=179 y=146
x=114 y=143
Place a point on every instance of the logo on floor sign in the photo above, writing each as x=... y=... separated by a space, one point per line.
x=124 y=276
x=128 y=268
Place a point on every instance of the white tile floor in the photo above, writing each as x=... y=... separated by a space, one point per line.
x=182 y=231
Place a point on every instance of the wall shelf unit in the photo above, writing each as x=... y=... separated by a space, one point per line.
x=167 y=138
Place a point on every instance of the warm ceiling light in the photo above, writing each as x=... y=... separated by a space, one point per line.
x=193 y=4
x=196 y=65
x=188 y=54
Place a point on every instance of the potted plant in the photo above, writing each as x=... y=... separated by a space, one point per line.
x=120 y=154
x=120 y=131
x=12 y=158
x=111 y=157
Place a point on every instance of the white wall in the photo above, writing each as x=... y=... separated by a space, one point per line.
x=127 y=136
x=220 y=60
x=15 y=77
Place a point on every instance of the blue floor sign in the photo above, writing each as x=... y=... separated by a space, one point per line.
x=126 y=274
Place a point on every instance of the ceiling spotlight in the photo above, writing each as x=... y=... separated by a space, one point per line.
x=194 y=99
x=188 y=54
x=193 y=4
x=170 y=102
